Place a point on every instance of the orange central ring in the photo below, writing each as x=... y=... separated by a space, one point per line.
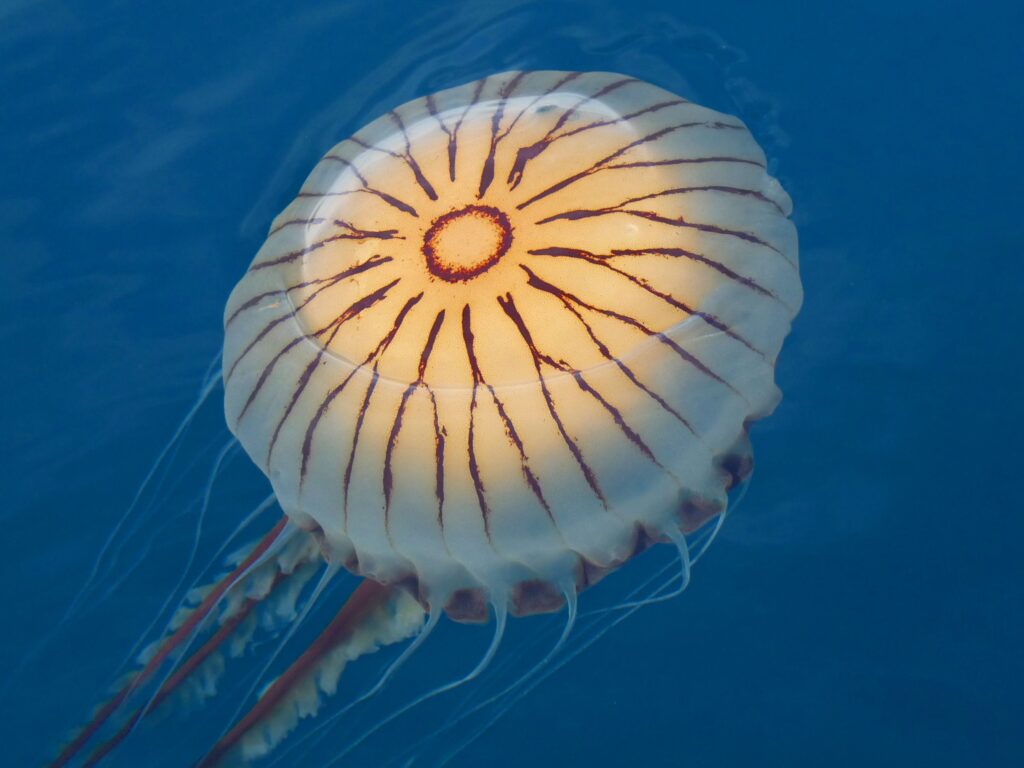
x=465 y=243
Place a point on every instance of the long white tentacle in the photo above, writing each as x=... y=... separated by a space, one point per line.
x=500 y=620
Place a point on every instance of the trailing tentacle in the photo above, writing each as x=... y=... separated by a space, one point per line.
x=163 y=651
x=374 y=615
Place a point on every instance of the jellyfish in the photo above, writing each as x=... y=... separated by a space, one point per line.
x=506 y=337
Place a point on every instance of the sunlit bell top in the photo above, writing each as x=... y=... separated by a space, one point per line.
x=510 y=333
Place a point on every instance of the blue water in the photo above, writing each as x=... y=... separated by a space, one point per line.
x=863 y=605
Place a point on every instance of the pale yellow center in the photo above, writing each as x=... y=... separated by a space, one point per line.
x=467 y=242
x=464 y=243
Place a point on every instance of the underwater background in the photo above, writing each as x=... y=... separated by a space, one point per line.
x=865 y=603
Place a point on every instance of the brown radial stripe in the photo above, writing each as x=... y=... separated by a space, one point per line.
x=654 y=164
x=584 y=213
x=421 y=179
x=508 y=305
x=682 y=222
x=536 y=282
x=354 y=233
x=432 y=109
x=391 y=200
x=607 y=355
x=453 y=137
x=439 y=440
x=474 y=468
x=510 y=431
x=603 y=163
x=406 y=158
x=487 y=174
x=683 y=161
x=568 y=113
x=394 y=202
x=624 y=118
x=669 y=299
x=374 y=378
x=684 y=253
x=347 y=314
x=619 y=420
x=277 y=321
x=300 y=387
x=587 y=388
x=382 y=345
x=526 y=154
x=373 y=261
x=396 y=425
x=292 y=222
x=561 y=82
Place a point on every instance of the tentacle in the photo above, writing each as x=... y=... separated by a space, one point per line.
x=689 y=554
x=161 y=487
x=213 y=372
x=248 y=520
x=500 y=620
x=233 y=625
x=659 y=594
x=741 y=494
x=686 y=559
x=521 y=691
x=167 y=647
x=182 y=673
x=685 y=564
x=274 y=581
x=196 y=594
x=286 y=573
x=374 y=615
x=222 y=456
x=571 y=602
x=325 y=579
x=209 y=384
x=322 y=728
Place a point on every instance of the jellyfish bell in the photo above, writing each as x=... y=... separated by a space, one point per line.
x=485 y=316
x=506 y=336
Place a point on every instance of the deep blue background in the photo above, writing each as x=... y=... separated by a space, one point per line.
x=864 y=606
